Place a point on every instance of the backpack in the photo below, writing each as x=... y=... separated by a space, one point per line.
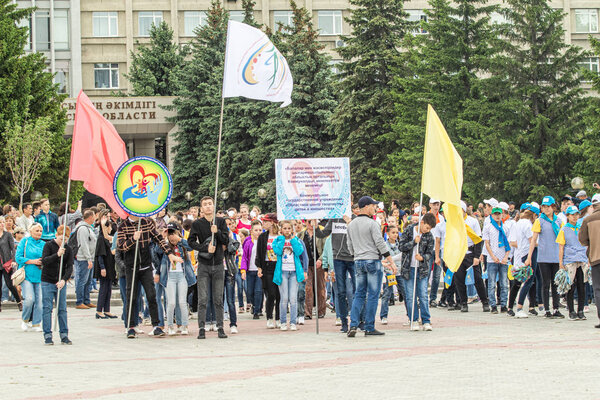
x=73 y=243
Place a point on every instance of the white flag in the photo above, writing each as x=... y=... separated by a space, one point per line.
x=254 y=68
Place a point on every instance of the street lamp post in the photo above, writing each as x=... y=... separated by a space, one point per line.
x=188 y=197
x=262 y=195
x=224 y=197
x=577 y=183
x=36 y=195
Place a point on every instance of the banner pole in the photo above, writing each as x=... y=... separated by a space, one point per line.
x=412 y=313
x=315 y=287
x=135 y=257
x=60 y=266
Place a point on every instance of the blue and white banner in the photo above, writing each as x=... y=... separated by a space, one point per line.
x=312 y=188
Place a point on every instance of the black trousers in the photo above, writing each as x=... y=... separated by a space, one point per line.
x=146 y=278
x=104 y=294
x=548 y=271
x=459 y=279
x=7 y=278
x=213 y=276
x=578 y=284
x=272 y=292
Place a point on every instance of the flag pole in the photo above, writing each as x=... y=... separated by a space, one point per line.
x=60 y=266
x=218 y=165
x=135 y=258
x=412 y=313
x=315 y=287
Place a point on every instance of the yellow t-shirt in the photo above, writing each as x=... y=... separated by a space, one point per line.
x=560 y=238
x=537 y=228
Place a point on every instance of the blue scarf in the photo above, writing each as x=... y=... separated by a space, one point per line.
x=554 y=222
x=574 y=227
x=502 y=239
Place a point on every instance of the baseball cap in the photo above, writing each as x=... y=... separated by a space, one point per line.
x=503 y=205
x=548 y=201
x=525 y=206
x=491 y=201
x=596 y=198
x=365 y=201
x=496 y=210
x=535 y=208
x=433 y=201
x=270 y=217
x=572 y=210
x=583 y=204
x=173 y=227
x=463 y=205
x=581 y=193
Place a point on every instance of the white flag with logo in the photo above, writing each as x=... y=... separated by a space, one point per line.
x=254 y=68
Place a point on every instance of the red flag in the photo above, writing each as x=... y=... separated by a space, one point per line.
x=97 y=151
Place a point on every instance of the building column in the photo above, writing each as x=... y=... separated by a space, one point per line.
x=567 y=20
x=265 y=8
x=76 y=79
x=171 y=142
x=175 y=20
x=129 y=37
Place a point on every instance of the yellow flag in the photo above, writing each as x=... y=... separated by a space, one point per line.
x=442 y=179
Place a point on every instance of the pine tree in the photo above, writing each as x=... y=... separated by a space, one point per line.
x=27 y=93
x=153 y=66
x=302 y=129
x=365 y=112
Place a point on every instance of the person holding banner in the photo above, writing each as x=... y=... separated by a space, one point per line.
x=128 y=234
x=472 y=258
x=367 y=246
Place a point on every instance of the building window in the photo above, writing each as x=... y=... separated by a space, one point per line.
x=418 y=16
x=286 y=18
x=591 y=64
x=61 y=30
x=26 y=23
x=160 y=149
x=334 y=64
x=146 y=19
x=42 y=30
x=192 y=20
x=62 y=79
x=105 y=24
x=236 y=16
x=330 y=22
x=586 y=20
x=106 y=76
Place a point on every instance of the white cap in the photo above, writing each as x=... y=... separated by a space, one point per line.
x=503 y=205
x=581 y=193
x=433 y=201
x=491 y=201
x=463 y=205
x=536 y=205
x=596 y=198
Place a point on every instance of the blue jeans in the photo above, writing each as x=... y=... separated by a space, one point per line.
x=230 y=297
x=176 y=293
x=420 y=296
x=32 y=302
x=160 y=295
x=241 y=288
x=288 y=292
x=300 y=298
x=500 y=272
x=254 y=292
x=83 y=277
x=345 y=287
x=388 y=293
x=402 y=290
x=49 y=291
x=368 y=285
x=435 y=273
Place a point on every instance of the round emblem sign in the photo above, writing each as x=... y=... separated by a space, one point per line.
x=143 y=186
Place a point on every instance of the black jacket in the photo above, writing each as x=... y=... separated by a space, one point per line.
x=104 y=255
x=261 y=254
x=51 y=263
x=200 y=232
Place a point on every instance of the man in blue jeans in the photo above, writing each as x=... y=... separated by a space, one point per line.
x=366 y=244
x=84 y=259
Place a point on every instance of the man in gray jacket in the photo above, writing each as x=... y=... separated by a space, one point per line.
x=366 y=243
x=84 y=260
x=343 y=264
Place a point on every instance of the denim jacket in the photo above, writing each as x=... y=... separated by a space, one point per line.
x=187 y=265
x=426 y=250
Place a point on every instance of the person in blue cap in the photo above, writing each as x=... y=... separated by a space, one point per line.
x=573 y=259
x=585 y=209
x=545 y=230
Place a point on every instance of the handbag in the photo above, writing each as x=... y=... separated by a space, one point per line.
x=19 y=275
x=7 y=266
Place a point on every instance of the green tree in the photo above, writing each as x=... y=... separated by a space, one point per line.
x=154 y=66
x=27 y=92
x=366 y=110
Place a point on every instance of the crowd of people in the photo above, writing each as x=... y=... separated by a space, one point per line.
x=212 y=266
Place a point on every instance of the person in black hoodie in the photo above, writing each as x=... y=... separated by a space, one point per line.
x=52 y=286
x=210 y=239
x=266 y=260
x=104 y=266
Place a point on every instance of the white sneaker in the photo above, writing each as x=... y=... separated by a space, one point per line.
x=226 y=317
x=383 y=321
x=36 y=329
x=212 y=327
x=406 y=323
x=293 y=327
x=416 y=327
x=172 y=332
x=278 y=324
x=521 y=314
x=139 y=330
x=184 y=330
x=179 y=329
x=24 y=326
x=234 y=329
x=147 y=322
x=283 y=327
x=338 y=322
x=270 y=324
x=300 y=320
x=427 y=327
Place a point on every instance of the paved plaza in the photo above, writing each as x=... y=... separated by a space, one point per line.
x=467 y=356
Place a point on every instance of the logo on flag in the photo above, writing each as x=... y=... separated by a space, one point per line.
x=264 y=65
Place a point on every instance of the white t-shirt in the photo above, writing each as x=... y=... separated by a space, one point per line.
x=176 y=267
x=521 y=233
x=509 y=226
x=413 y=259
x=439 y=231
x=287 y=259
x=473 y=224
x=491 y=234
x=252 y=264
